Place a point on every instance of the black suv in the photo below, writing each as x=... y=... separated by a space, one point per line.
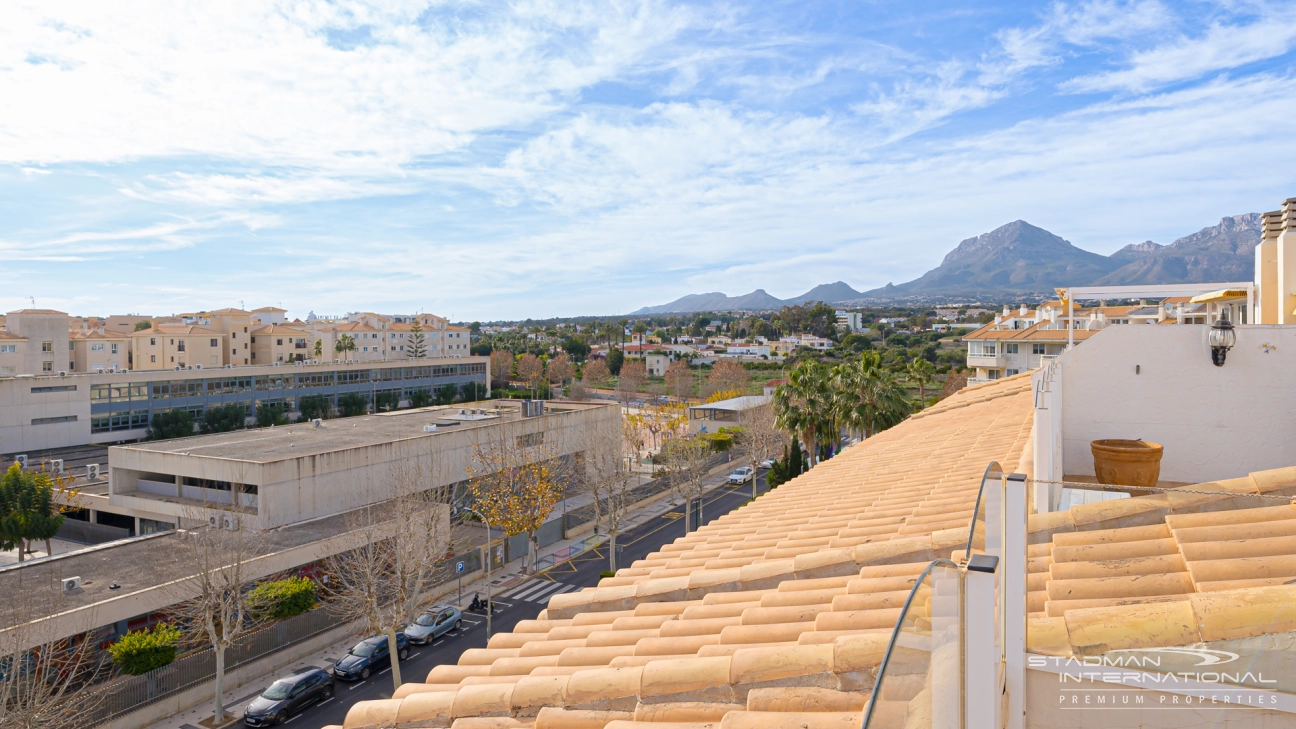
x=287 y=696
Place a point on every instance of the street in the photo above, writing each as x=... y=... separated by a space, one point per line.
x=520 y=602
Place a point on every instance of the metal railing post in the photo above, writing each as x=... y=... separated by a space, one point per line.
x=982 y=667
x=1013 y=607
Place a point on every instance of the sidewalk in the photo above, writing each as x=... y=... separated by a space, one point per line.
x=237 y=698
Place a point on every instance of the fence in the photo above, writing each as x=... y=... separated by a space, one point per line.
x=131 y=693
x=84 y=532
x=575 y=549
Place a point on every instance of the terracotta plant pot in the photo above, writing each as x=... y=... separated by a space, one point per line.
x=1126 y=462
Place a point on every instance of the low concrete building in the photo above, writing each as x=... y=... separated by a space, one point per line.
x=312 y=470
x=43 y=412
x=711 y=417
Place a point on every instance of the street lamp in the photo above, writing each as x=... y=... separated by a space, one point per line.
x=1222 y=338
x=489 y=608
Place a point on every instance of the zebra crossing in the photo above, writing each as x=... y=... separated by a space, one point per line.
x=537 y=591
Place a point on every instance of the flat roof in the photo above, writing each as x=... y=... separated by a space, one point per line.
x=302 y=439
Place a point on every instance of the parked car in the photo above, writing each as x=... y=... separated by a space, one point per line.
x=767 y=463
x=287 y=696
x=368 y=656
x=741 y=475
x=432 y=624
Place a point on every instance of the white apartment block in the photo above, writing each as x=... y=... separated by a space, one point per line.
x=852 y=320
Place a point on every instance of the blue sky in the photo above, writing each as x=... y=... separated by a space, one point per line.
x=491 y=160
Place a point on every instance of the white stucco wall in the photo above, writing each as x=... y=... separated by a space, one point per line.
x=1215 y=422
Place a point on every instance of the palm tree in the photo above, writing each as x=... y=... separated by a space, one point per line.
x=922 y=373
x=319 y=348
x=868 y=397
x=344 y=344
x=803 y=405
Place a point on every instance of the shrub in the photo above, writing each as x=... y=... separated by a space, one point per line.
x=223 y=419
x=721 y=441
x=142 y=651
x=283 y=598
x=352 y=404
x=173 y=424
x=606 y=573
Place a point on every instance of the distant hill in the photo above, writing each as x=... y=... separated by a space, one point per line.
x=1019 y=258
x=1013 y=258
x=1224 y=252
x=757 y=300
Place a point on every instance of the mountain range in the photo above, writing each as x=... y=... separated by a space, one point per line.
x=1020 y=258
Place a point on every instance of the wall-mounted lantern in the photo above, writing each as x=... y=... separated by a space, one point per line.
x=1221 y=338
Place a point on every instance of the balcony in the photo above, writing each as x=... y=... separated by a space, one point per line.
x=987 y=360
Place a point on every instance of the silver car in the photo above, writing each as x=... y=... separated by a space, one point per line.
x=741 y=475
x=436 y=622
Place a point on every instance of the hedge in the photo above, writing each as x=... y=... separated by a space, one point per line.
x=283 y=598
x=142 y=651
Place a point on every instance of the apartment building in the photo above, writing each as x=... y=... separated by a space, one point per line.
x=38 y=342
x=98 y=350
x=279 y=343
x=378 y=337
x=178 y=346
x=852 y=320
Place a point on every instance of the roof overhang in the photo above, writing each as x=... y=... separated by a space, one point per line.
x=1221 y=295
x=1086 y=293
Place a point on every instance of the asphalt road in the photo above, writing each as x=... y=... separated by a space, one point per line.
x=521 y=602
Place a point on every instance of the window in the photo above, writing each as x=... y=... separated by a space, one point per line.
x=47 y=346
x=530 y=439
x=989 y=349
x=8 y=349
x=97 y=347
x=54 y=388
x=71 y=346
x=215 y=343
x=152 y=341
x=114 y=348
x=181 y=346
x=279 y=342
x=152 y=357
x=1010 y=348
x=1011 y=372
x=47 y=366
x=7 y=370
x=56 y=419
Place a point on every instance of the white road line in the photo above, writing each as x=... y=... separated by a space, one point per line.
x=416 y=655
x=325 y=701
x=565 y=588
x=535 y=588
x=385 y=670
x=526 y=586
x=542 y=594
x=439 y=642
x=358 y=685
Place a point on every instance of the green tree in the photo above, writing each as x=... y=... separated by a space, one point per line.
x=141 y=651
x=803 y=405
x=223 y=419
x=386 y=401
x=922 y=373
x=283 y=598
x=417 y=348
x=141 y=326
x=173 y=424
x=792 y=464
x=445 y=394
x=615 y=358
x=869 y=397
x=268 y=415
x=420 y=398
x=319 y=348
x=314 y=406
x=472 y=391
x=576 y=348
x=344 y=344
x=352 y=404
x=28 y=511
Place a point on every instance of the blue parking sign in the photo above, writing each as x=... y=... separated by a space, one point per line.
x=459 y=566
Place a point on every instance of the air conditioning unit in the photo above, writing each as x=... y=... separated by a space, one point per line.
x=190 y=367
x=429 y=428
x=337 y=361
x=21 y=458
x=229 y=523
x=228 y=367
x=92 y=471
x=62 y=373
x=71 y=583
x=278 y=364
x=213 y=521
x=316 y=422
x=56 y=466
x=177 y=368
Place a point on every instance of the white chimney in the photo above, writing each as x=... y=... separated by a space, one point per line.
x=1023 y=310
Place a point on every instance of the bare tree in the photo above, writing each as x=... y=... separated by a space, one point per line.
x=515 y=480
x=633 y=374
x=501 y=367
x=595 y=373
x=577 y=391
x=679 y=378
x=608 y=478
x=560 y=369
x=218 y=551
x=727 y=374
x=685 y=460
x=759 y=439
x=42 y=672
x=386 y=580
x=531 y=370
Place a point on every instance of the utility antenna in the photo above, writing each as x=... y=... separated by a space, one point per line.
x=33 y=300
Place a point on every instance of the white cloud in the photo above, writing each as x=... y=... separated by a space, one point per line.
x=1221 y=47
